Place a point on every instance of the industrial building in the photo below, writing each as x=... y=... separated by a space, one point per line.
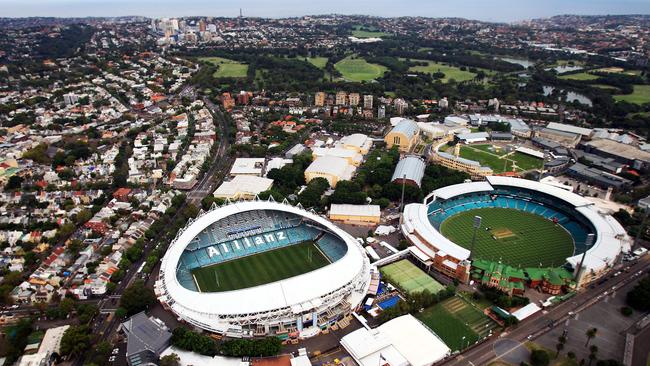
x=355 y=214
x=332 y=168
x=244 y=187
x=402 y=341
x=146 y=339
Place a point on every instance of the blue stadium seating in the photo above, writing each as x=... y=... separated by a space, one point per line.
x=235 y=237
x=518 y=199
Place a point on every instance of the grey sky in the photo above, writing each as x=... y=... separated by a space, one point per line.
x=490 y=10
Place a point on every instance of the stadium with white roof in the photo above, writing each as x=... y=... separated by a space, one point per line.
x=240 y=300
x=577 y=215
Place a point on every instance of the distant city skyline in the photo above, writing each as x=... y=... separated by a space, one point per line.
x=495 y=10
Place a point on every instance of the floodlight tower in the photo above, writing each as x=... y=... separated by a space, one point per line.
x=477 y=225
x=589 y=241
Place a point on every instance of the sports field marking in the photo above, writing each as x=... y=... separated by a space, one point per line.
x=537 y=242
x=409 y=277
x=261 y=268
x=502 y=233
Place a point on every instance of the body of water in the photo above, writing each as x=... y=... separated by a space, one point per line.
x=570 y=96
x=519 y=61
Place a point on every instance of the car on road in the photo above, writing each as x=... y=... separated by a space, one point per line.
x=111 y=359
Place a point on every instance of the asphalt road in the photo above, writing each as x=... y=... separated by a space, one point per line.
x=544 y=321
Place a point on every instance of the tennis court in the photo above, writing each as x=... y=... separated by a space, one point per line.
x=410 y=278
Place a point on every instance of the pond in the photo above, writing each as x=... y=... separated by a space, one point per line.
x=565 y=68
x=519 y=61
x=570 y=96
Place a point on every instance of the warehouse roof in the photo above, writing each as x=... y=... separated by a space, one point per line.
x=618 y=149
x=411 y=168
x=401 y=341
x=570 y=128
x=145 y=334
x=250 y=166
x=332 y=165
x=243 y=184
x=355 y=210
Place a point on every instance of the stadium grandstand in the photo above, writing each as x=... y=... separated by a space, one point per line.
x=524 y=221
x=261 y=268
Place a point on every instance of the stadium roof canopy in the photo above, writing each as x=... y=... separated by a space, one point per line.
x=610 y=240
x=462 y=188
x=571 y=198
x=299 y=293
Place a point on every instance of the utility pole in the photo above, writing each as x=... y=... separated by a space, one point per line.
x=477 y=225
x=589 y=241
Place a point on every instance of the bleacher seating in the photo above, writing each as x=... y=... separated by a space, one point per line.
x=252 y=232
x=518 y=199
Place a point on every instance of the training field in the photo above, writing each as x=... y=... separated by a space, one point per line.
x=515 y=237
x=409 y=277
x=454 y=319
x=259 y=269
x=451 y=72
x=227 y=68
x=498 y=159
x=319 y=62
x=641 y=95
x=358 y=69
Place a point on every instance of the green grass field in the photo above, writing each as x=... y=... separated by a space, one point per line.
x=641 y=95
x=259 y=269
x=533 y=240
x=369 y=33
x=451 y=72
x=498 y=159
x=227 y=68
x=409 y=277
x=358 y=69
x=580 y=76
x=454 y=319
x=319 y=62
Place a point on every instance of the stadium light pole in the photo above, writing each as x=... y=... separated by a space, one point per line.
x=401 y=203
x=646 y=211
x=541 y=169
x=477 y=225
x=588 y=242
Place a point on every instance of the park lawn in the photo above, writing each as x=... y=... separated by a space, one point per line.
x=227 y=68
x=617 y=70
x=606 y=87
x=259 y=269
x=451 y=72
x=369 y=33
x=319 y=62
x=641 y=95
x=535 y=239
x=358 y=70
x=580 y=76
